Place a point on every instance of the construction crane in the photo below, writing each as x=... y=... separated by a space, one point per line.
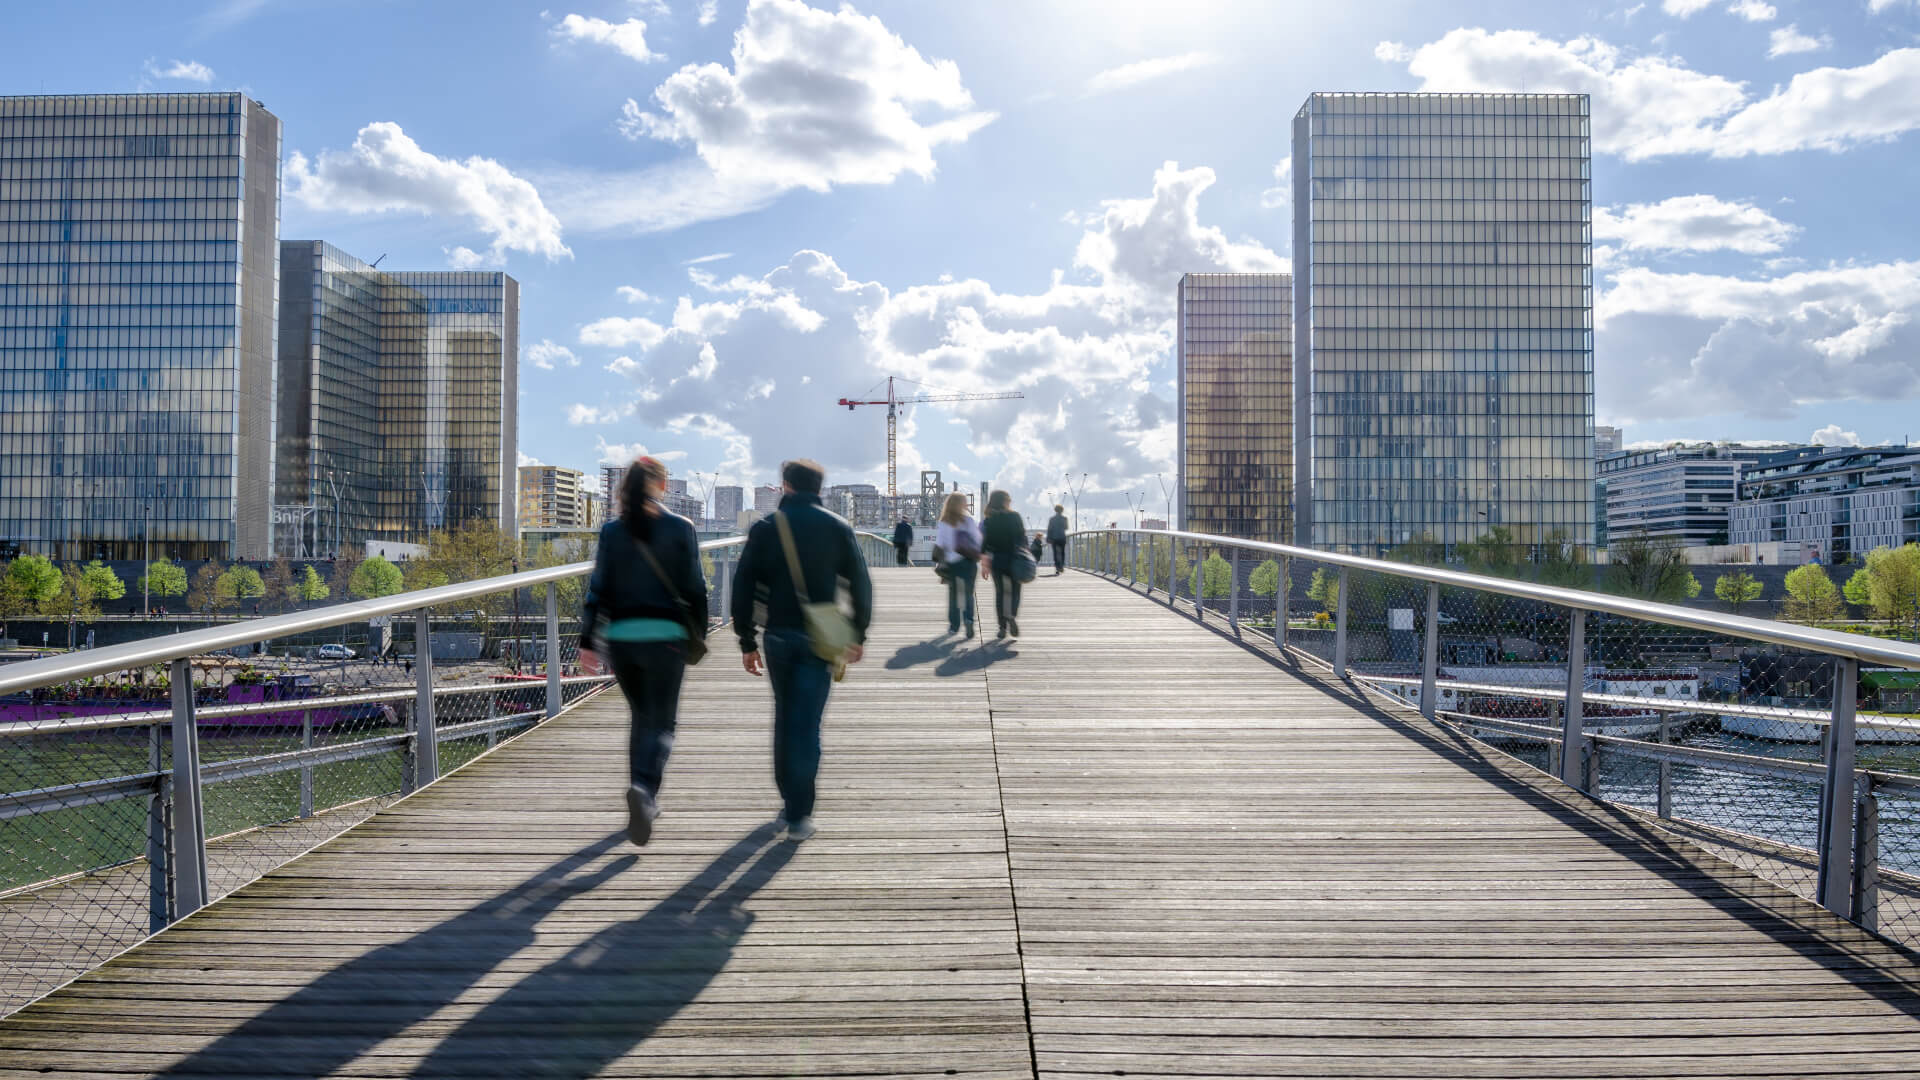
x=893 y=402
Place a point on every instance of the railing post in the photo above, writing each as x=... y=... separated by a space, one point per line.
x=1340 y=628
x=1430 y=665
x=1280 y=599
x=1573 y=737
x=1233 y=592
x=157 y=842
x=1834 y=890
x=1866 y=855
x=187 y=863
x=306 y=771
x=724 y=569
x=553 y=649
x=1663 y=807
x=426 y=748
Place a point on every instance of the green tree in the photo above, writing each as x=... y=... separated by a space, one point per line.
x=1212 y=578
x=73 y=600
x=1651 y=569
x=375 y=577
x=105 y=583
x=278 y=581
x=1324 y=588
x=572 y=590
x=1421 y=549
x=204 y=595
x=163 y=578
x=31 y=582
x=1859 y=588
x=1565 y=563
x=311 y=587
x=1893 y=586
x=1811 y=595
x=1265 y=579
x=1494 y=553
x=238 y=585
x=1738 y=588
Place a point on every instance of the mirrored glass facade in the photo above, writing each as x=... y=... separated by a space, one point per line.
x=1443 y=287
x=397 y=408
x=1234 y=355
x=138 y=293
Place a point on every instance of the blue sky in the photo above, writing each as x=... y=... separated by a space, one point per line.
x=727 y=214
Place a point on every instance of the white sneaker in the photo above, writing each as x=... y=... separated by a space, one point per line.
x=799 y=830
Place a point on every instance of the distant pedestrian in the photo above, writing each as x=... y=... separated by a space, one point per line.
x=957 y=544
x=902 y=540
x=1057 y=536
x=1003 y=534
x=1035 y=547
x=651 y=594
x=800 y=556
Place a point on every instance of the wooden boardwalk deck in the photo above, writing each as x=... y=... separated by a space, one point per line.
x=1120 y=846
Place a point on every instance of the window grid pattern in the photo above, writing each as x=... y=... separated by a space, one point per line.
x=1443 y=276
x=137 y=299
x=1235 y=371
x=403 y=413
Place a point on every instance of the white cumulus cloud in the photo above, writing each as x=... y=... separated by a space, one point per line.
x=1648 y=106
x=813 y=99
x=1753 y=10
x=1281 y=193
x=1788 y=40
x=1392 y=52
x=632 y=295
x=1831 y=435
x=546 y=355
x=709 y=11
x=385 y=170
x=1693 y=223
x=1684 y=8
x=629 y=38
x=1117 y=78
x=183 y=70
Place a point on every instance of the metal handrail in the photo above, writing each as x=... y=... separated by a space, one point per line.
x=53 y=670
x=1832 y=642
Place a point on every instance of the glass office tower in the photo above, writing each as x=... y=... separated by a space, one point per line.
x=1234 y=360
x=1443 y=286
x=138 y=294
x=397 y=412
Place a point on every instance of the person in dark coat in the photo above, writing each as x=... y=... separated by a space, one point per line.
x=829 y=558
x=645 y=632
x=1003 y=534
x=902 y=540
x=1057 y=536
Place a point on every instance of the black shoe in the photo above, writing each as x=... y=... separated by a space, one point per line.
x=1001 y=636
x=953 y=629
x=641 y=810
x=1013 y=626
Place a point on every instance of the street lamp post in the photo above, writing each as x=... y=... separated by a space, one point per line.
x=1075 y=494
x=146 y=539
x=1168 y=492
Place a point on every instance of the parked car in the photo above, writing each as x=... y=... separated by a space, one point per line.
x=334 y=652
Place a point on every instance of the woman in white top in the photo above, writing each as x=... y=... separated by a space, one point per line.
x=958 y=538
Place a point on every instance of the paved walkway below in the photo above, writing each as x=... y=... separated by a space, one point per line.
x=1124 y=845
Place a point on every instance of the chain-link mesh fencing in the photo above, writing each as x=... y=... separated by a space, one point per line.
x=296 y=740
x=1716 y=737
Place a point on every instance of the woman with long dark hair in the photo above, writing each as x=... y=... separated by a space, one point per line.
x=646 y=600
x=1004 y=534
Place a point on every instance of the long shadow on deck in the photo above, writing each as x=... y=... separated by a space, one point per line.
x=569 y=1019
x=381 y=993
x=1654 y=849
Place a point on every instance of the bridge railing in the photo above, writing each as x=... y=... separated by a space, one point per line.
x=1787 y=749
x=141 y=781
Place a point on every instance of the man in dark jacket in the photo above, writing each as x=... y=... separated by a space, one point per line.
x=1057 y=536
x=902 y=540
x=828 y=556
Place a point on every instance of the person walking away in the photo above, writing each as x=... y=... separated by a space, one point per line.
x=646 y=602
x=958 y=539
x=1057 y=536
x=1003 y=533
x=902 y=540
x=1036 y=548
x=828 y=558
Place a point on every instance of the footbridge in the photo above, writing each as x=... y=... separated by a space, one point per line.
x=1223 y=809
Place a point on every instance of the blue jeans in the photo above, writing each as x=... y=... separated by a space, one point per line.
x=801 y=682
x=649 y=674
x=960 y=582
